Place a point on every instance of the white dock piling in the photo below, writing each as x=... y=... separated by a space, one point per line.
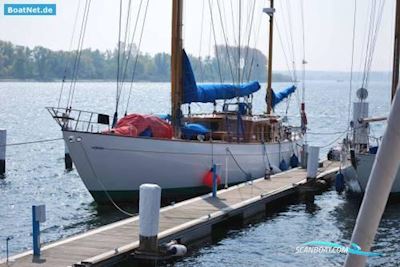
x=3 y=141
x=312 y=162
x=67 y=158
x=378 y=188
x=149 y=217
x=303 y=156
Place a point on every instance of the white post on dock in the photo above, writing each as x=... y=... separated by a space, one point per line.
x=312 y=162
x=303 y=156
x=149 y=217
x=3 y=141
x=378 y=188
x=67 y=158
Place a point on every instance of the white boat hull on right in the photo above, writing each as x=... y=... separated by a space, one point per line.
x=363 y=171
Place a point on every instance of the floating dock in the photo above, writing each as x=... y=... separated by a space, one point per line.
x=186 y=221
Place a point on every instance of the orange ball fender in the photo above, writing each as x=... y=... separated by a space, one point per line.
x=208 y=179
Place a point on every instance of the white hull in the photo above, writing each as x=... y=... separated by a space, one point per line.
x=121 y=164
x=362 y=172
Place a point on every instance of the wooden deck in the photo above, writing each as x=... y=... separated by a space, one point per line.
x=187 y=221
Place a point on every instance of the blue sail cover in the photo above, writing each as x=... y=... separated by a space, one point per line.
x=208 y=93
x=281 y=95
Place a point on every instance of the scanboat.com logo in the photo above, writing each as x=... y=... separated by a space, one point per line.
x=330 y=247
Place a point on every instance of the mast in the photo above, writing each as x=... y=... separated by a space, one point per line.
x=396 y=54
x=176 y=65
x=270 y=12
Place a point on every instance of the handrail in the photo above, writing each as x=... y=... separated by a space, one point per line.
x=74 y=119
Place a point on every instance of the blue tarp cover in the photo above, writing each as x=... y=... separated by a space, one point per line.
x=208 y=93
x=193 y=129
x=278 y=97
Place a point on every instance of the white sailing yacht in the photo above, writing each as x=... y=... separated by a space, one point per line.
x=362 y=153
x=244 y=145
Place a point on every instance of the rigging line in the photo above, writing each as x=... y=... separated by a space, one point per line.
x=126 y=33
x=131 y=42
x=366 y=45
x=255 y=43
x=377 y=18
x=233 y=23
x=352 y=62
x=289 y=9
x=226 y=43
x=75 y=56
x=33 y=142
x=334 y=141
x=215 y=41
x=288 y=100
x=333 y=133
x=239 y=39
x=209 y=53
x=224 y=13
x=365 y=37
x=304 y=52
x=78 y=53
x=375 y=36
x=289 y=37
x=284 y=52
x=246 y=33
x=200 y=66
x=369 y=38
x=102 y=185
x=118 y=56
x=248 y=175
x=265 y=154
x=137 y=56
x=249 y=38
x=232 y=59
x=288 y=45
x=122 y=50
x=69 y=49
x=124 y=58
x=285 y=29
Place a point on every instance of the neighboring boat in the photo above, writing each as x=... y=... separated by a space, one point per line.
x=114 y=159
x=362 y=153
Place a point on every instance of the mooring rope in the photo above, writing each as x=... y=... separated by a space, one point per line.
x=102 y=185
x=33 y=142
x=248 y=175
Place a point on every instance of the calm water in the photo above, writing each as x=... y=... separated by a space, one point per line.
x=35 y=175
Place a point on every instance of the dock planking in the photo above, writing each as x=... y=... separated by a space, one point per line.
x=187 y=221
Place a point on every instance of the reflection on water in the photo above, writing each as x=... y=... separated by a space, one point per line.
x=272 y=239
x=35 y=174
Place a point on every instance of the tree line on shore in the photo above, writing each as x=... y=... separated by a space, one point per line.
x=42 y=64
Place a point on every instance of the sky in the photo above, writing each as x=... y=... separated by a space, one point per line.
x=328 y=27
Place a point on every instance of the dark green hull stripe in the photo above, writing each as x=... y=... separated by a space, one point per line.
x=167 y=195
